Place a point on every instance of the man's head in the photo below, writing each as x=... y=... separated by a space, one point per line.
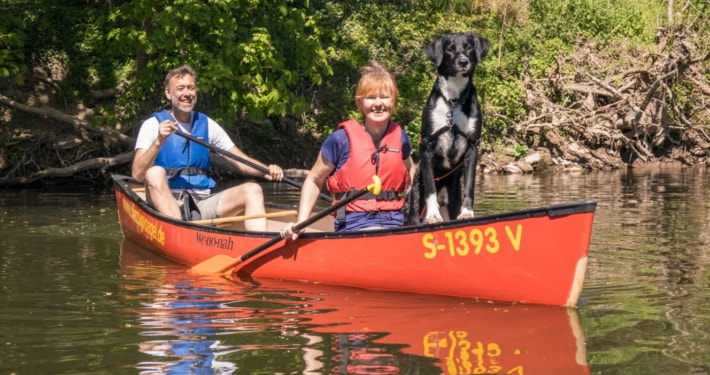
x=181 y=89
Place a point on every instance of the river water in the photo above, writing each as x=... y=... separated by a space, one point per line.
x=77 y=299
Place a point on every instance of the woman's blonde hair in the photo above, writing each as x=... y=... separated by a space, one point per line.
x=374 y=78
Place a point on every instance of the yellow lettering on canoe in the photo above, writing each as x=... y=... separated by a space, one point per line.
x=473 y=242
x=515 y=239
x=492 y=235
x=428 y=243
x=151 y=228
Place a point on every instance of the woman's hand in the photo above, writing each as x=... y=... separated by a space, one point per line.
x=288 y=232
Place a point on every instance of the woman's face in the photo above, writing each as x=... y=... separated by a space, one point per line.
x=377 y=108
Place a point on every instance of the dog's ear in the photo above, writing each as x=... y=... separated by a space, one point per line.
x=481 y=46
x=434 y=51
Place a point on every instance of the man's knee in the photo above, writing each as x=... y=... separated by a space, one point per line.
x=252 y=189
x=155 y=175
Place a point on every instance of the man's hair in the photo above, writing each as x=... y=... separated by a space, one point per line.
x=375 y=78
x=179 y=72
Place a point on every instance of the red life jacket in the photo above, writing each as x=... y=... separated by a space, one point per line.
x=364 y=161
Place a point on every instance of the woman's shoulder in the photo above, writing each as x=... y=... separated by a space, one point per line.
x=338 y=137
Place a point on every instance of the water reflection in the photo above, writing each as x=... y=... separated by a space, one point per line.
x=645 y=305
x=647 y=280
x=216 y=326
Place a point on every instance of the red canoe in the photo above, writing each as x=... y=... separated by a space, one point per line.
x=463 y=336
x=535 y=256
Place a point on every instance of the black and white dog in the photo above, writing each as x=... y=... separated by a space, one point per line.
x=450 y=134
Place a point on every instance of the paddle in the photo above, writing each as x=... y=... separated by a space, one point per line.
x=243 y=161
x=222 y=263
x=233 y=219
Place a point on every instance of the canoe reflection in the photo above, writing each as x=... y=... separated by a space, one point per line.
x=210 y=325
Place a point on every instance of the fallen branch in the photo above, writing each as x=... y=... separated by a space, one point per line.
x=587 y=89
x=101 y=162
x=79 y=123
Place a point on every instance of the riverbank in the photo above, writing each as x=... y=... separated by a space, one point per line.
x=52 y=154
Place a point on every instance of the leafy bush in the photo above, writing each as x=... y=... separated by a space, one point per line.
x=253 y=57
x=571 y=19
x=274 y=59
x=12 y=43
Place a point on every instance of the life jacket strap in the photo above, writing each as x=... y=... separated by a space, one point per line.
x=385 y=195
x=174 y=172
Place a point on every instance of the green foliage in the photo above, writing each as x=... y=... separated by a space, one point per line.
x=253 y=58
x=571 y=19
x=549 y=29
x=12 y=43
x=60 y=38
x=260 y=59
x=506 y=97
x=519 y=150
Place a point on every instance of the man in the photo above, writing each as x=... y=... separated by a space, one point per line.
x=170 y=164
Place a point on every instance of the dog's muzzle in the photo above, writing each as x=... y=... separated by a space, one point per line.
x=463 y=63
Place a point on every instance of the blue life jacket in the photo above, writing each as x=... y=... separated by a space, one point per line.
x=187 y=163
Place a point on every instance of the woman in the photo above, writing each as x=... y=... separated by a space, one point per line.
x=355 y=152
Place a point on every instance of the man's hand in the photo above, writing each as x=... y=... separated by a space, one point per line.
x=275 y=173
x=166 y=128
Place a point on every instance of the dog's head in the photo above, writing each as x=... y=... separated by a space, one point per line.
x=457 y=53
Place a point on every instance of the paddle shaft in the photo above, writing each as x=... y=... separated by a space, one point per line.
x=299 y=226
x=243 y=161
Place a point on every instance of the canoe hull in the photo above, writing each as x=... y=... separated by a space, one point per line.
x=533 y=256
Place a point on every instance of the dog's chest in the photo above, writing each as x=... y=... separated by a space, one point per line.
x=452 y=129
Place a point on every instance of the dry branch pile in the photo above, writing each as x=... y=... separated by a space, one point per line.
x=586 y=114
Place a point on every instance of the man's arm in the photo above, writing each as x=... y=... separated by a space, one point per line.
x=220 y=139
x=275 y=172
x=145 y=157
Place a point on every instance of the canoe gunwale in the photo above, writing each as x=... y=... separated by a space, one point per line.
x=552 y=211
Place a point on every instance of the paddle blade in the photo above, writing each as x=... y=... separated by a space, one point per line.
x=215 y=264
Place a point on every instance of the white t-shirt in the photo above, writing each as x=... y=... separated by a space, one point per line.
x=148 y=133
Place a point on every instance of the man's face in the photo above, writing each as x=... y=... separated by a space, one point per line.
x=182 y=93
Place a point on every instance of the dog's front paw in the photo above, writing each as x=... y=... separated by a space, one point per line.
x=433 y=215
x=465 y=214
x=433 y=219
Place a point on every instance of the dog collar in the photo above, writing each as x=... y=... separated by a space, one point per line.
x=453 y=103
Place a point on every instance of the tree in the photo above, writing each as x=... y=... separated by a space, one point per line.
x=254 y=58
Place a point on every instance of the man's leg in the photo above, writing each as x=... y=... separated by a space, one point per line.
x=247 y=197
x=159 y=194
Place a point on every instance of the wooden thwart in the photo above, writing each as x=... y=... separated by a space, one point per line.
x=234 y=219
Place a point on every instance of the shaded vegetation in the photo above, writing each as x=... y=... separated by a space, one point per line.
x=567 y=85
